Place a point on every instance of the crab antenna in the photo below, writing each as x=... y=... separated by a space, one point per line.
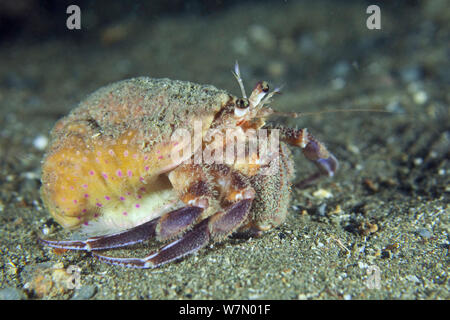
x=314 y=113
x=237 y=75
x=286 y=114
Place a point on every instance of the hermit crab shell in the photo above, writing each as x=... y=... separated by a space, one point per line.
x=108 y=154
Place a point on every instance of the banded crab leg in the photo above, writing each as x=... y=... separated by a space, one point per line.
x=213 y=228
x=237 y=199
x=162 y=228
x=314 y=150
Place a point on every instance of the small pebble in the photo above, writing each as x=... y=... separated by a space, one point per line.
x=418 y=161
x=276 y=69
x=424 y=233
x=114 y=34
x=338 y=83
x=362 y=265
x=321 y=210
x=371 y=185
x=262 y=36
x=322 y=194
x=240 y=45
x=341 y=69
x=395 y=107
x=413 y=278
x=287 y=46
x=31 y=175
x=84 y=293
x=307 y=44
x=411 y=73
x=40 y=142
x=46 y=230
x=337 y=210
x=353 y=149
x=420 y=97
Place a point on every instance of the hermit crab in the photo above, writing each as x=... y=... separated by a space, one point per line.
x=123 y=168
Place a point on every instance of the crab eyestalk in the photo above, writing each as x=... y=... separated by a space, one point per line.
x=258 y=94
x=267 y=98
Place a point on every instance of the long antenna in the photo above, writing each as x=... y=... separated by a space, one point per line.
x=301 y=114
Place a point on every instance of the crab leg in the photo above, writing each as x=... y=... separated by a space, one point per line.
x=213 y=228
x=163 y=227
x=314 y=150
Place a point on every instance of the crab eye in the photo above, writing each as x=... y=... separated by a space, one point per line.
x=241 y=107
x=264 y=86
x=242 y=103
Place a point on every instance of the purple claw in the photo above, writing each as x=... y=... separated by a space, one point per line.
x=327 y=166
